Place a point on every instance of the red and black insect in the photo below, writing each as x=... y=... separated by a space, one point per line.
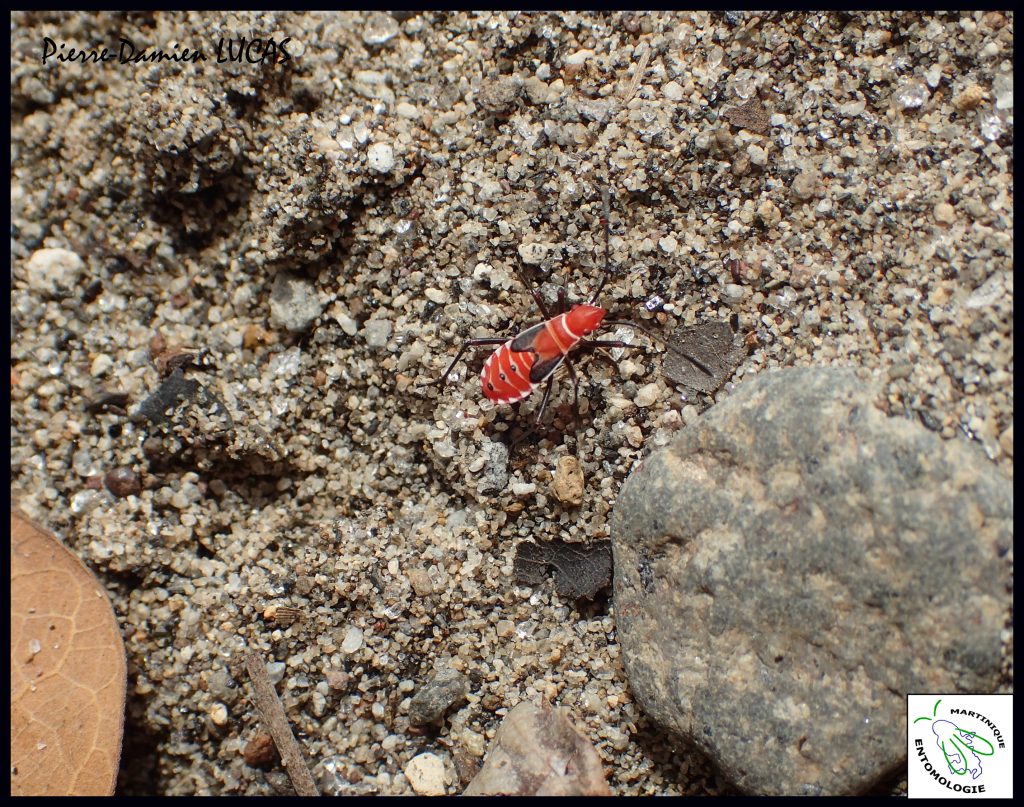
x=524 y=362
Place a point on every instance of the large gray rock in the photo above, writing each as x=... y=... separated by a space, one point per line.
x=792 y=565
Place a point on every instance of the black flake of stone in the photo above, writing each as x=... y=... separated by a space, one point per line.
x=581 y=570
x=107 y=402
x=645 y=572
x=175 y=390
x=714 y=345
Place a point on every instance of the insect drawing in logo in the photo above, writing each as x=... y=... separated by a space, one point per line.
x=955 y=750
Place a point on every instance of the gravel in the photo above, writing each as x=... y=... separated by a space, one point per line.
x=311 y=468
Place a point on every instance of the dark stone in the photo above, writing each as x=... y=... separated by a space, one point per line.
x=123 y=482
x=445 y=690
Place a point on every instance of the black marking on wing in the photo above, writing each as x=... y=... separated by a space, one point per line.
x=524 y=342
x=543 y=369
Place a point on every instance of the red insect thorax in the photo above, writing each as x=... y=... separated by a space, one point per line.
x=584 y=319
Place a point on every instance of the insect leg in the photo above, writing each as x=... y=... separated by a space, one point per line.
x=668 y=346
x=480 y=342
x=540 y=414
x=535 y=293
x=575 y=398
x=543 y=403
x=593 y=344
x=609 y=343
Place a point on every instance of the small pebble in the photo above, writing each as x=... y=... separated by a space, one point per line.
x=84 y=501
x=253 y=336
x=499 y=96
x=911 y=95
x=123 y=482
x=294 y=303
x=420 y=582
x=505 y=628
x=426 y=775
x=444 y=691
x=993 y=20
x=474 y=743
x=275 y=671
x=377 y=332
x=634 y=435
x=260 y=751
x=769 y=213
x=533 y=253
x=672 y=91
x=380 y=157
x=337 y=679
x=758 y=156
x=407 y=111
x=101 y=365
x=219 y=714
x=971 y=98
x=1006 y=440
x=223 y=687
x=945 y=213
x=494 y=478
x=353 y=640
x=647 y=395
x=732 y=293
x=853 y=108
x=380 y=27
x=51 y=270
x=568 y=483
x=804 y=185
x=579 y=57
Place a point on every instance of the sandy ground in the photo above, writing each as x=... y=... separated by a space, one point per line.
x=325 y=229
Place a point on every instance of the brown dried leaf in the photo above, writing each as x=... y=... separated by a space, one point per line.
x=67 y=672
x=714 y=345
x=749 y=115
x=581 y=570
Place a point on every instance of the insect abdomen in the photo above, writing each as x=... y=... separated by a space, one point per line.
x=506 y=374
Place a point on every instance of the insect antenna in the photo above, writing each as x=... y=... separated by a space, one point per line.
x=606 y=206
x=607 y=275
x=667 y=345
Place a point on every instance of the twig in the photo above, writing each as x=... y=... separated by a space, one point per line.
x=638 y=75
x=634 y=84
x=276 y=721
